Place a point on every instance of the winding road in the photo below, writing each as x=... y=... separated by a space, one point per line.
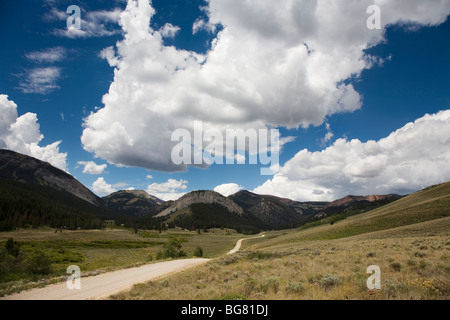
x=239 y=243
x=104 y=285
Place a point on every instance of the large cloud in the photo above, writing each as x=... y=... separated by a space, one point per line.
x=102 y=188
x=272 y=64
x=409 y=159
x=22 y=135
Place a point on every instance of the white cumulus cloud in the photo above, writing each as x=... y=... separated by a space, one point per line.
x=22 y=134
x=271 y=64
x=102 y=188
x=228 y=189
x=170 y=190
x=90 y=167
x=409 y=159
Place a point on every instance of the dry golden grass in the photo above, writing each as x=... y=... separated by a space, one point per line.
x=411 y=268
x=414 y=259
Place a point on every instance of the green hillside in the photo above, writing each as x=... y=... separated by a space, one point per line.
x=429 y=204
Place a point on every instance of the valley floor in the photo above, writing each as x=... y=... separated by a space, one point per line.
x=414 y=261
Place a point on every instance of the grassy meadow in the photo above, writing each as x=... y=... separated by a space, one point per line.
x=98 y=251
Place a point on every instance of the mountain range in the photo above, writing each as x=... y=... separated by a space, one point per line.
x=33 y=193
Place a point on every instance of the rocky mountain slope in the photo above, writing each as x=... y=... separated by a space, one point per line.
x=22 y=168
x=276 y=211
x=208 y=209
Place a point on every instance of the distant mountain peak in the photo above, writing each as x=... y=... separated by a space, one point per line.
x=202 y=196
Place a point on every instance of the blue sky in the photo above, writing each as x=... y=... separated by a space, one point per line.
x=161 y=65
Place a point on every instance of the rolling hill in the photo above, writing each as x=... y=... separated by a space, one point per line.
x=134 y=203
x=207 y=209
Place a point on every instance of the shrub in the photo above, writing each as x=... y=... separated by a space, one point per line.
x=329 y=281
x=164 y=283
x=198 y=252
x=419 y=254
x=396 y=266
x=172 y=249
x=271 y=283
x=336 y=218
x=229 y=259
x=12 y=247
x=39 y=264
x=159 y=255
x=423 y=264
x=295 y=287
x=7 y=262
x=259 y=255
x=411 y=263
x=249 y=286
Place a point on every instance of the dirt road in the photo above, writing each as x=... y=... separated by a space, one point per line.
x=239 y=243
x=104 y=285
